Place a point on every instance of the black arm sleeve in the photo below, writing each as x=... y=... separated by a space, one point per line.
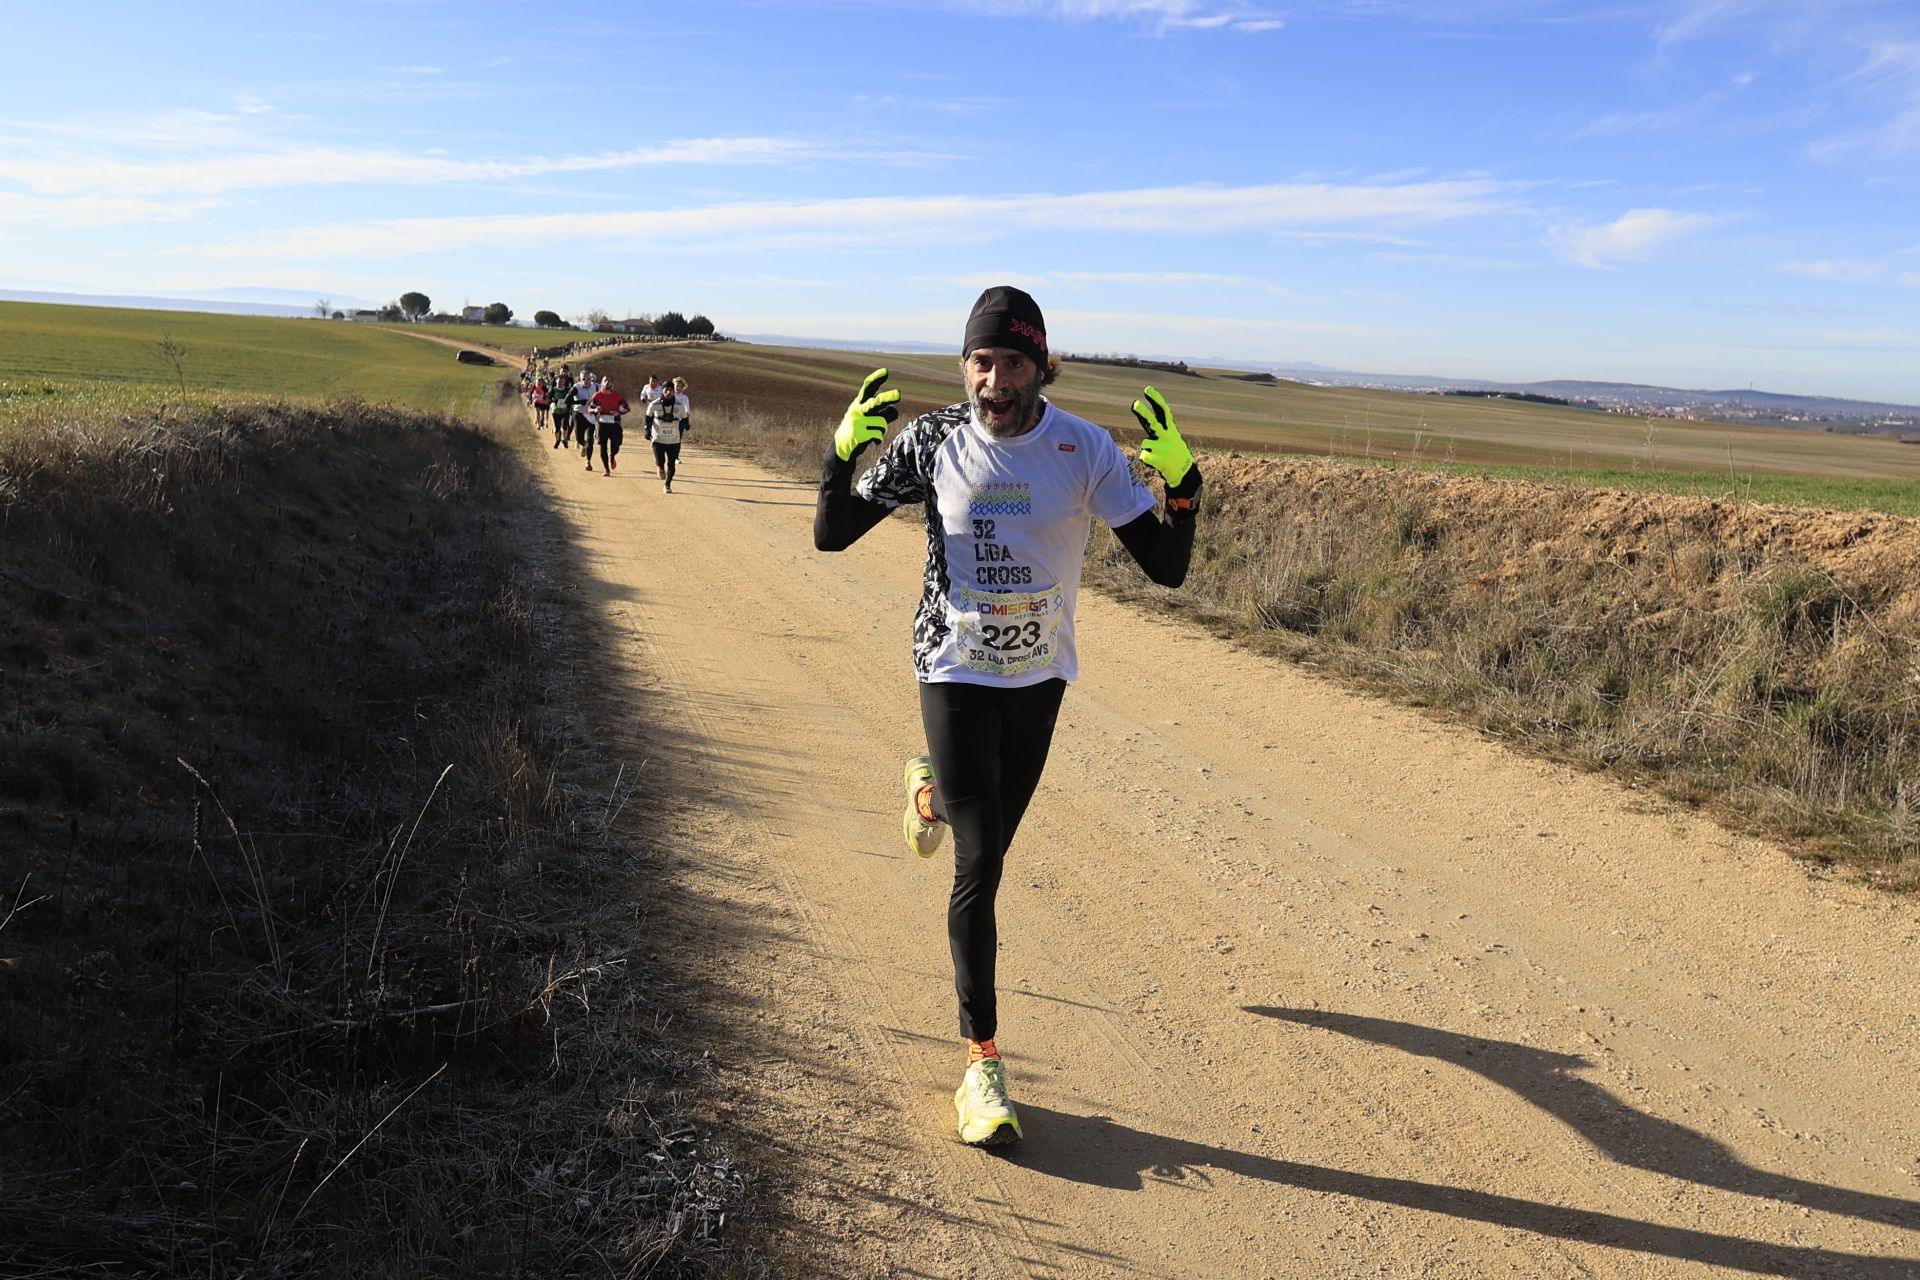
x=841 y=516
x=1162 y=545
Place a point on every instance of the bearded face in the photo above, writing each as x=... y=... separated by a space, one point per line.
x=1003 y=390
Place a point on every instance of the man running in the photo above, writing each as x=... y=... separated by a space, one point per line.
x=609 y=407
x=1010 y=483
x=666 y=425
x=584 y=414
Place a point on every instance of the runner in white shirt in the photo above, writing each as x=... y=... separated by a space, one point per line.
x=1011 y=484
x=667 y=426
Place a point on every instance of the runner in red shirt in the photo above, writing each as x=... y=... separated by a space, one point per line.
x=609 y=406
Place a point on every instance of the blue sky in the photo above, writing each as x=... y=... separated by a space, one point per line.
x=1689 y=192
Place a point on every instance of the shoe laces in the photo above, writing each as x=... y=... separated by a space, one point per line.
x=923 y=803
x=989 y=1080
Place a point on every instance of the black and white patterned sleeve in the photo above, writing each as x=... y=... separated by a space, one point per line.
x=899 y=477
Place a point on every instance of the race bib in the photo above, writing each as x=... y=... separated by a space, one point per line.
x=1006 y=633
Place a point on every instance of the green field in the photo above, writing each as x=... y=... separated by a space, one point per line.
x=49 y=351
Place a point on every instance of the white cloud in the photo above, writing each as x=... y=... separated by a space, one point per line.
x=1691 y=17
x=1633 y=237
x=161 y=131
x=1170 y=279
x=1161 y=15
x=1838 y=270
x=1274 y=209
x=1137 y=321
x=1875 y=339
x=95 y=211
x=68 y=175
x=1891 y=79
x=1911 y=278
x=1144 y=279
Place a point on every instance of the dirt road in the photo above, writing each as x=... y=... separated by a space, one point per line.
x=1296 y=984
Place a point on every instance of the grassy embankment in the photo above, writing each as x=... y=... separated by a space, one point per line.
x=323 y=949
x=118 y=358
x=1756 y=659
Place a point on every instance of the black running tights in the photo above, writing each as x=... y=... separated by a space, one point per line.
x=988 y=745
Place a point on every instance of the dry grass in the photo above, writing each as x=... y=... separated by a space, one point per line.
x=1763 y=662
x=319 y=952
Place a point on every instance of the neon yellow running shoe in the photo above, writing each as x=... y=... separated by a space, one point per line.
x=923 y=830
x=986 y=1114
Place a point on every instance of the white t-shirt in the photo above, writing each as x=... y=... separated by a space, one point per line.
x=666 y=415
x=1007 y=526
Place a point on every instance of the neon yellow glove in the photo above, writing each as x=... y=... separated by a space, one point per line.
x=866 y=418
x=1163 y=449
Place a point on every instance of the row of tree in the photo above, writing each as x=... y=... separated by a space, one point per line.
x=414 y=305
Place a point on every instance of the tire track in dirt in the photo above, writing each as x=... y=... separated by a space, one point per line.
x=1295 y=983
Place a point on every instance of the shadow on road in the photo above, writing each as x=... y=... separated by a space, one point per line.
x=1095 y=1151
x=1546 y=1080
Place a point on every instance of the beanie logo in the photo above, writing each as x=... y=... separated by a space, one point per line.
x=1036 y=336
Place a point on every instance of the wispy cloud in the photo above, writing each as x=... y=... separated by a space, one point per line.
x=1686 y=115
x=1272 y=209
x=68 y=175
x=1128 y=279
x=1874 y=339
x=1149 y=321
x=1837 y=270
x=96 y=211
x=1160 y=16
x=1690 y=18
x=1171 y=279
x=1635 y=236
x=1890 y=78
x=161 y=131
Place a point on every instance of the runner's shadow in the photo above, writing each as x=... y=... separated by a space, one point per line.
x=1095 y=1151
x=1546 y=1080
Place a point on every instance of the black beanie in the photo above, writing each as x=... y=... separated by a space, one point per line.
x=1007 y=317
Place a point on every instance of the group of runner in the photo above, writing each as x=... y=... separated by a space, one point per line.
x=586 y=411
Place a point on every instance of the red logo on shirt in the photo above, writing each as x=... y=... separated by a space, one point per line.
x=1066 y=448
